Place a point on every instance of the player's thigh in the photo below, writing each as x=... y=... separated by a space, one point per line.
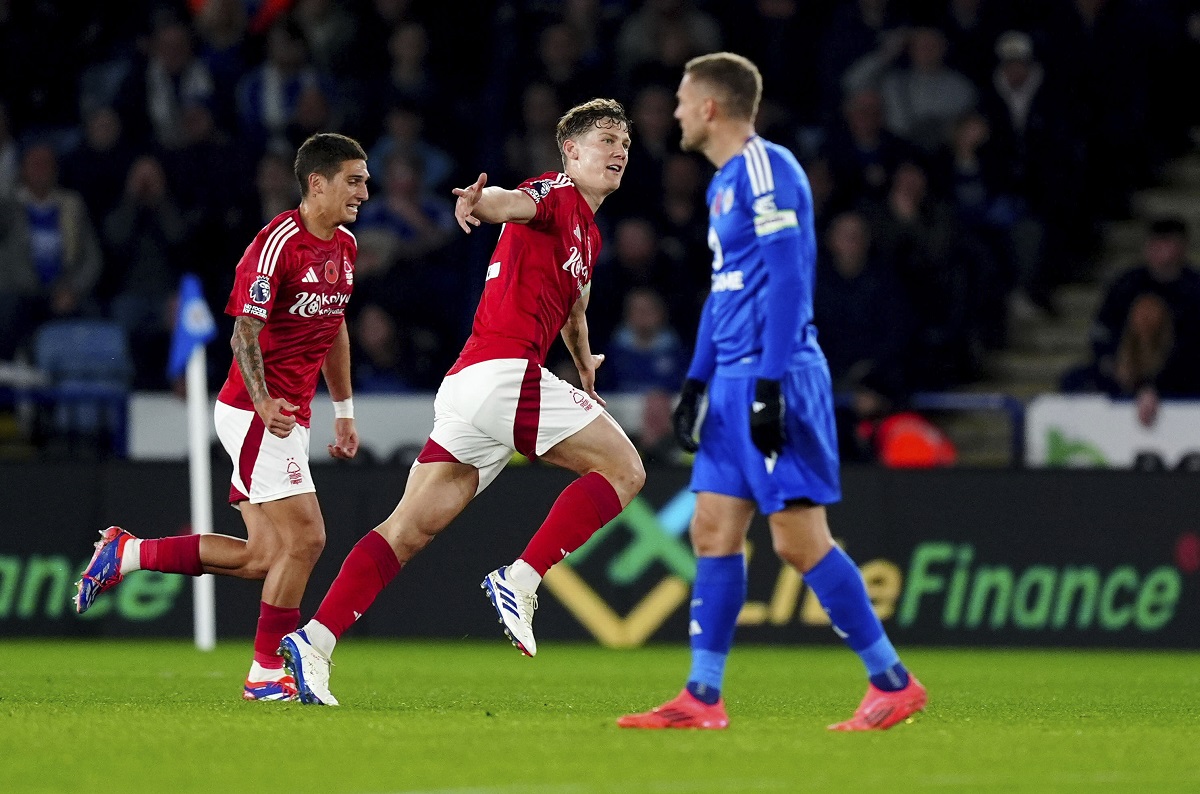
x=601 y=446
x=436 y=492
x=720 y=524
x=800 y=534
x=297 y=520
x=721 y=462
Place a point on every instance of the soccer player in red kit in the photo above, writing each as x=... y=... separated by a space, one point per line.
x=499 y=397
x=289 y=299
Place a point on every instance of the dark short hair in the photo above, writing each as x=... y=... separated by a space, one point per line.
x=1171 y=226
x=734 y=76
x=599 y=113
x=324 y=154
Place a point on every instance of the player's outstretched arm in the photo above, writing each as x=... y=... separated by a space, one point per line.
x=336 y=371
x=477 y=203
x=248 y=355
x=575 y=337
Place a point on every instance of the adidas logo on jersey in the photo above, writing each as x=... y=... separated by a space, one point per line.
x=310 y=277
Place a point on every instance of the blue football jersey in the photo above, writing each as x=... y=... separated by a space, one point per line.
x=760 y=193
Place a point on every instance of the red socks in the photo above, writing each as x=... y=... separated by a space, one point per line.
x=178 y=554
x=582 y=508
x=273 y=623
x=368 y=568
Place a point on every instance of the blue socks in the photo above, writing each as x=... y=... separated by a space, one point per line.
x=839 y=587
x=717 y=598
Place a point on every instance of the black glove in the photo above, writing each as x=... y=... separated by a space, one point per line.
x=766 y=417
x=686 y=416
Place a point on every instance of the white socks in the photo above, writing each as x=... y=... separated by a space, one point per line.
x=258 y=673
x=131 y=559
x=320 y=637
x=523 y=576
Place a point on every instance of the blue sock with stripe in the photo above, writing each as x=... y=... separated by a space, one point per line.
x=840 y=589
x=717 y=597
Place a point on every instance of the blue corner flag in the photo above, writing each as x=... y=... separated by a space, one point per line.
x=194 y=325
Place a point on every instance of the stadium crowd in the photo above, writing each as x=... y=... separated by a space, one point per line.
x=961 y=155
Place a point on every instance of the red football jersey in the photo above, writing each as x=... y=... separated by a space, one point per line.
x=299 y=285
x=536 y=274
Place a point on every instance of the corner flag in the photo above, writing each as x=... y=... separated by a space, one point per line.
x=194 y=325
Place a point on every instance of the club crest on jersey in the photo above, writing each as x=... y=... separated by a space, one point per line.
x=574 y=264
x=331 y=271
x=722 y=202
x=260 y=290
x=348 y=270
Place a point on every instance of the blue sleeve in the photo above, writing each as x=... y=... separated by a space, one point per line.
x=782 y=254
x=704 y=357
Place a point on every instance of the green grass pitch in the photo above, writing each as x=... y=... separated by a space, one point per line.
x=467 y=717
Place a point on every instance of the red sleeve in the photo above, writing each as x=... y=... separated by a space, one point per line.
x=548 y=200
x=260 y=270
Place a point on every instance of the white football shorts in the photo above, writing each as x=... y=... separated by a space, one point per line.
x=486 y=410
x=265 y=467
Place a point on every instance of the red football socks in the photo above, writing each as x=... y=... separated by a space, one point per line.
x=368 y=568
x=582 y=508
x=176 y=554
x=273 y=623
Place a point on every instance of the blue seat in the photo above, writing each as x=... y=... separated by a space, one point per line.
x=88 y=365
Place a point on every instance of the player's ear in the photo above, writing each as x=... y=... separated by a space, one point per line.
x=316 y=183
x=570 y=150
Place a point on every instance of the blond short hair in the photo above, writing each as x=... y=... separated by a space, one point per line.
x=735 y=78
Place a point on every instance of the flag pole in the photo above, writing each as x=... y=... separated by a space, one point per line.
x=200 y=480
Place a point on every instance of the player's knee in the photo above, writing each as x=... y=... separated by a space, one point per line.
x=307 y=543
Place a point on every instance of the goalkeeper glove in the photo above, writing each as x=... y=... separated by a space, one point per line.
x=766 y=417
x=686 y=417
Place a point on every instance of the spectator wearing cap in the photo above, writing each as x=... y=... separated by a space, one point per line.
x=1039 y=164
x=1165 y=273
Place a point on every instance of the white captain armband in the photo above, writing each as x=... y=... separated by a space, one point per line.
x=343 y=409
x=774 y=221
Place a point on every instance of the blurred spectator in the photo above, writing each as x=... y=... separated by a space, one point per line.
x=377 y=355
x=221 y=28
x=661 y=26
x=66 y=259
x=329 y=30
x=9 y=156
x=682 y=220
x=862 y=154
x=269 y=95
x=655 y=136
x=645 y=356
x=153 y=97
x=560 y=63
x=533 y=147
x=409 y=78
x=971 y=27
x=1038 y=163
x=645 y=353
x=637 y=261
x=922 y=99
x=422 y=223
x=200 y=174
x=1166 y=274
x=855 y=29
x=918 y=236
x=99 y=162
x=145 y=237
x=865 y=325
x=403 y=134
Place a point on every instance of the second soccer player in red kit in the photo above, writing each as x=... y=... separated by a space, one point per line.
x=499 y=397
x=289 y=298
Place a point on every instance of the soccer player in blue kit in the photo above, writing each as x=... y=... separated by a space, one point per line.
x=767 y=438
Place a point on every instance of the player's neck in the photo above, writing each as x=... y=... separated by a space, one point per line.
x=593 y=196
x=727 y=140
x=317 y=223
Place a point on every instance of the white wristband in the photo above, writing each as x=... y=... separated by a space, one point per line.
x=343 y=409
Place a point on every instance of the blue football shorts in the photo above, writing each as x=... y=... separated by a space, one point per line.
x=728 y=462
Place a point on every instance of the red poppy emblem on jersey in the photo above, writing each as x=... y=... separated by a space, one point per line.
x=331 y=271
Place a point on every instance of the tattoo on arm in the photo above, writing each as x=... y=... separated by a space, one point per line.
x=248 y=355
